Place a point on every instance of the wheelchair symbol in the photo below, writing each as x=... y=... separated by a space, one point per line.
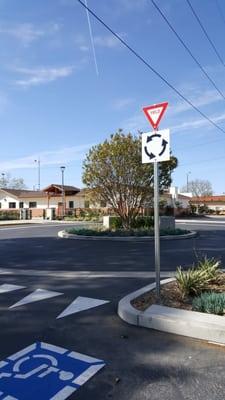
x=40 y=371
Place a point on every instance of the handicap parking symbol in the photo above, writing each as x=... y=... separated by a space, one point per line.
x=45 y=372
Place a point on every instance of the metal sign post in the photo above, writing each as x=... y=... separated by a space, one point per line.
x=156 y=148
x=156 y=227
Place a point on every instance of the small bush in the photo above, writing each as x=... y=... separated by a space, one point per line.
x=9 y=215
x=195 y=279
x=119 y=232
x=208 y=302
x=211 y=266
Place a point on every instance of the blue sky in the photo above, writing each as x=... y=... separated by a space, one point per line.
x=54 y=105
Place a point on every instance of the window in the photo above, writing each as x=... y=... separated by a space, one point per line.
x=103 y=203
x=12 y=204
x=21 y=204
x=71 y=204
x=32 y=204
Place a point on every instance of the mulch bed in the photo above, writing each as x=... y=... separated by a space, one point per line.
x=171 y=296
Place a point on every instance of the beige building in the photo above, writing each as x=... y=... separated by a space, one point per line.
x=48 y=202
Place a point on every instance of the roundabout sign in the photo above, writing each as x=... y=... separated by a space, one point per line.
x=156 y=146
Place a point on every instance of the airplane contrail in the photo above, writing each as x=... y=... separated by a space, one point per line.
x=92 y=39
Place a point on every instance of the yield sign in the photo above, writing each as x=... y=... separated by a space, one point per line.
x=154 y=113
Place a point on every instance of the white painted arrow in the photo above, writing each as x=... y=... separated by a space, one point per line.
x=9 y=288
x=81 y=304
x=37 y=295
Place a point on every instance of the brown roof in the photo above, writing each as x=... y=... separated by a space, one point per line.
x=207 y=199
x=24 y=193
x=59 y=187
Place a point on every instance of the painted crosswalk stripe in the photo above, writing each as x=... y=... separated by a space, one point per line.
x=37 y=295
x=9 y=288
x=81 y=304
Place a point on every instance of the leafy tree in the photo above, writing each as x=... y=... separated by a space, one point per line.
x=199 y=187
x=113 y=171
x=11 y=183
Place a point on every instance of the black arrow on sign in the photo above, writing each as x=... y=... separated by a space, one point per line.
x=151 y=155
x=164 y=144
x=149 y=138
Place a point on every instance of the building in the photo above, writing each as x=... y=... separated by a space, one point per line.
x=54 y=200
x=215 y=204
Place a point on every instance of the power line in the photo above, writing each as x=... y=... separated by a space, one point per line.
x=149 y=66
x=187 y=48
x=205 y=32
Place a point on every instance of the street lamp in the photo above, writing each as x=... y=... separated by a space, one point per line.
x=63 y=191
x=189 y=172
x=39 y=172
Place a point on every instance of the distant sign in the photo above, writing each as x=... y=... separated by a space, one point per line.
x=156 y=146
x=154 y=113
x=43 y=372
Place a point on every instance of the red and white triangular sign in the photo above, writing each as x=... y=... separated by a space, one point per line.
x=154 y=113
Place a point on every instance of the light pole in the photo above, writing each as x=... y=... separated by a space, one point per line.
x=189 y=172
x=39 y=172
x=63 y=191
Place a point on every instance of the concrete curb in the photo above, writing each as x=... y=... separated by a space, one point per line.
x=173 y=320
x=65 y=235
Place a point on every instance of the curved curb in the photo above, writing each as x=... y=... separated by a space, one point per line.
x=65 y=235
x=130 y=314
x=192 y=324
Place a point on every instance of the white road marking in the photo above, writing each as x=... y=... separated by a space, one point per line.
x=64 y=393
x=86 y=375
x=83 y=357
x=81 y=304
x=9 y=288
x=21 y=353
x=85 y=274
x=51 y=347
x=37 y=295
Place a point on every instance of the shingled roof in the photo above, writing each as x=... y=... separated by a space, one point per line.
x=21 y=193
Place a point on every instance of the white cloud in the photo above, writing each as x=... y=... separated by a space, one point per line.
x=26 y=33
x=198 y=123
x=108 y=41
x=201 y=99
x=120 y=104
x=131 y=5
x=37 y=76
x=49 y=157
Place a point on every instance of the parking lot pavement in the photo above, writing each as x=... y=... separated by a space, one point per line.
x=132 y=363
x=140 y=364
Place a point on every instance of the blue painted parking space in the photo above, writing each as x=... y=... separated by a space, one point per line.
x=44 y=371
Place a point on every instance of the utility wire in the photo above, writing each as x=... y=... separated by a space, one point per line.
x=205 y=32
x=149 y=66
x=187 y=48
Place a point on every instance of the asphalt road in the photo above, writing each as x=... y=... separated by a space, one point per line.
x=140 y=363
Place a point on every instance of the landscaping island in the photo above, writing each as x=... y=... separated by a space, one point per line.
x=125 y=233
x=201 y=288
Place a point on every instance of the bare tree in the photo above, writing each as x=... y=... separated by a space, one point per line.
x=199 y=187
x=11 y=183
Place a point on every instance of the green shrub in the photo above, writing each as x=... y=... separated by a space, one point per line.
x=118 y=232
x=9 y=215
x=208 y=302
x=195 y=279
x=211 y=266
